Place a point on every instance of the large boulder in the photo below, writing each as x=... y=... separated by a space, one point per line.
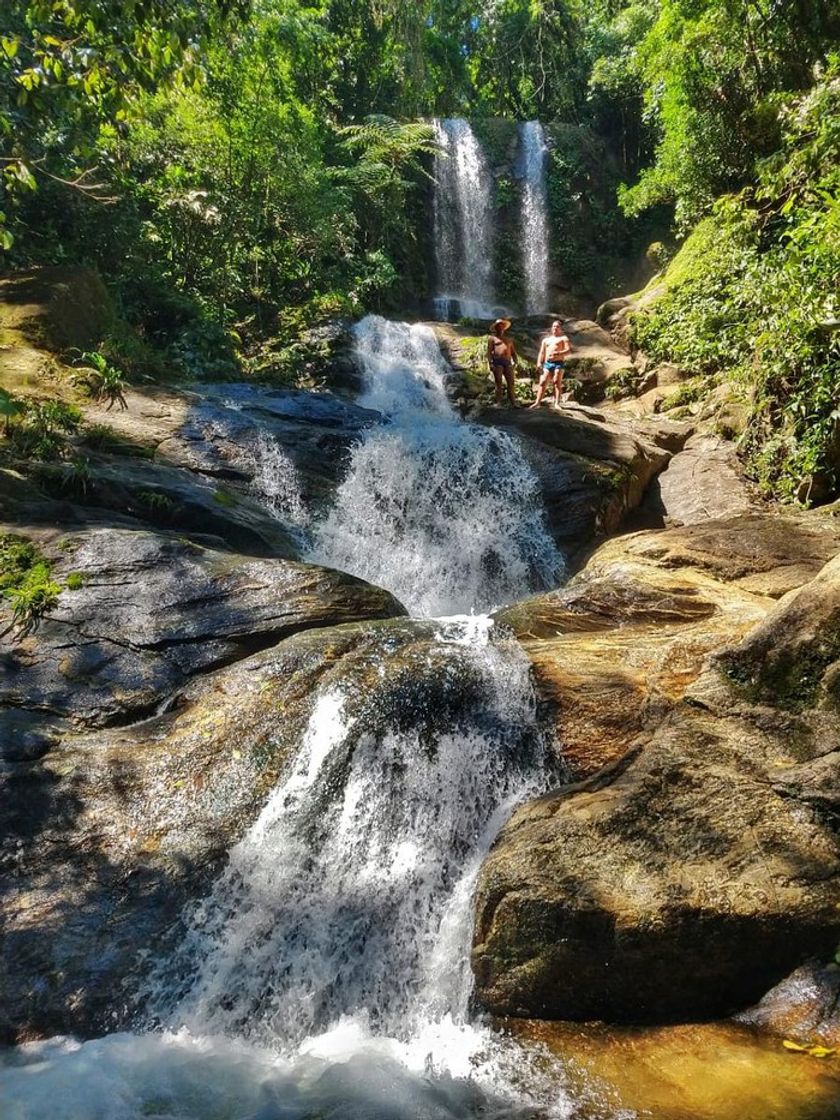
x=618 y=646
x=150 y=610
x=697 y=861
x=684 y=884
x=703 y=482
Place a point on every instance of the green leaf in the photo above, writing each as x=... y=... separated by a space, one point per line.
x=10 y=46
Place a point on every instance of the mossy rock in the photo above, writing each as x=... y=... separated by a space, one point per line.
x=58 y=308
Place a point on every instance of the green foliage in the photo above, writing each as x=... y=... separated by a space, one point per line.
x=70 y=69
x=40 y=428
x=622 y=383
x=108 y=382
x=753 y=294
x=102 y=437
x=712 y=72
x=689 y=392
x=10 y=409
x=25 y=580
x=75 y=581
x=157 y=504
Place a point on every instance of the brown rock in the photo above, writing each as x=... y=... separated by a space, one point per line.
x=698 y=862
x=153 y=610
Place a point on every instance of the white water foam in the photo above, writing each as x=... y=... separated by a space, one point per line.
x=276 y=483
x=463 y=223
x=446 y=515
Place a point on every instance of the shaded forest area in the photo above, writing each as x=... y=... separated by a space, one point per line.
x=240 y=173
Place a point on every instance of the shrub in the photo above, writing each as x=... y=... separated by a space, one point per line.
x=108 y=382
x=43 y=427
x=25 y=580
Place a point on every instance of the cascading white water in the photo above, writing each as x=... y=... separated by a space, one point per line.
x=463 y=224
x=535 y=232
x=446 y=515
x=277 y=485
x=327 y=974
x=350 y=893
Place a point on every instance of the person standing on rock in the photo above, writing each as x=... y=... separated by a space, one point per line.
x=552 y=360
x=501 y=357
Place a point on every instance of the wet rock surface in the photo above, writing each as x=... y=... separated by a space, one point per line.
x=151 y=611
x=804 y=1007
x=591 y=473
x=697 y=860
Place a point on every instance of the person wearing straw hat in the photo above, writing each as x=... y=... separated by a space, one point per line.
x=501 y=357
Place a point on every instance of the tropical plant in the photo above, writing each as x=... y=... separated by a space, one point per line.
x=109 y=382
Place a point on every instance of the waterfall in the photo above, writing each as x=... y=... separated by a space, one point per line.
x=327 y=972
x=350 y=894
x=463 y=224
x=535 y=235
x=446 y=515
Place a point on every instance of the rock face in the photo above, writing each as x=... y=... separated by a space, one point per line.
x=703 y=482
x=698 y=861
x=249 y=463
x=152 y=611
x=591 y=473
x=805 y=1007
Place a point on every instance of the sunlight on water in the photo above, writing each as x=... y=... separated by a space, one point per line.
x=463 y=223
x=535 y=230
x=327 y=973
x=446 y=515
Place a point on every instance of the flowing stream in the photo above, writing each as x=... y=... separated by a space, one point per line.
x=327 y=975
x=447 y=515
x=327 y=972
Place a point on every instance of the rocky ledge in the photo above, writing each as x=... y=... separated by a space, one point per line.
x=696 y=861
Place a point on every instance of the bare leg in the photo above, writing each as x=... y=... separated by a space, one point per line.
x=511 y=383
x=558 y=385
x=541 y=388
x=497 y=377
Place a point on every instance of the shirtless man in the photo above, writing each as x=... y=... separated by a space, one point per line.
x=552 y=358
x=501 y=357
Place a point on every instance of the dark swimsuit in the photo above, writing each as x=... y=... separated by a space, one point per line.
x=499 y=360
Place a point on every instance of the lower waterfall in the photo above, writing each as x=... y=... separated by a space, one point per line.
x=326 y=974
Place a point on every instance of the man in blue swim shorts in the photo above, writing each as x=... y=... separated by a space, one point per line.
x=552 y=360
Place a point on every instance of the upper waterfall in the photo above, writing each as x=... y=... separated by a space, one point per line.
x=463 y=224
x=534 y=231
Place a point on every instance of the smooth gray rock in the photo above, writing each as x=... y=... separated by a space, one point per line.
x=701 y=483
x=155 y=609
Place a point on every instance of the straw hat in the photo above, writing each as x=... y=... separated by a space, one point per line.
x=503 y=323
